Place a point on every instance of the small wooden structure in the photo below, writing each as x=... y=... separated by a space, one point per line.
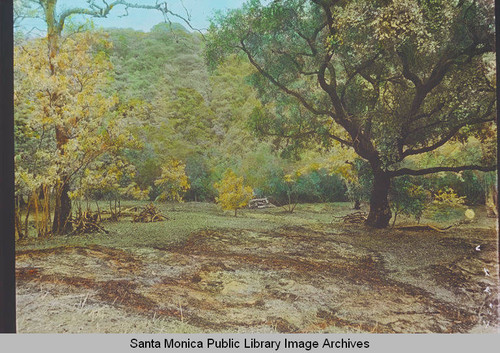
x=260 y=203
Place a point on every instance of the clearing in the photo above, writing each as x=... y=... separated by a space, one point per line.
x=265 y=271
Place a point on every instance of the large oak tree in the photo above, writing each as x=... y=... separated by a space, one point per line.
x=390 y=79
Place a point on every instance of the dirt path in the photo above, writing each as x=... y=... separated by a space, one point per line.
x=292 y=279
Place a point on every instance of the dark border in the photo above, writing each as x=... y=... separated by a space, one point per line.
x=7 y=243
x=497 y=44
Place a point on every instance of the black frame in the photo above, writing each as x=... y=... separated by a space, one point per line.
x=7 y=243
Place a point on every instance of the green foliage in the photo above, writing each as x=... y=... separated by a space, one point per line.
x=408 y=198
x=180 y=110
x=165 y=58
x=200 y=179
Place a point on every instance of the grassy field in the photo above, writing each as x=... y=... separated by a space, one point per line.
x=203 y=270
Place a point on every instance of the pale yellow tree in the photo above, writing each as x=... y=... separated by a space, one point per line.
x=71 y=101
x=233 y=194
x=173 y=181
x=55 y=14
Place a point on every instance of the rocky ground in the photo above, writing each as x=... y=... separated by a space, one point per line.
x=320 y=277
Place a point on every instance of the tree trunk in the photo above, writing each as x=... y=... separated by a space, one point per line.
x=18 y=227
x=357 y=205
x=62 y=211
x=380 y=212
x=395 y=216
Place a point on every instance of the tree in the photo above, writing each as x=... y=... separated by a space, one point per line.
x=56 y=19
x=391 y=79
x=173 y=181
x=74 y=99
x=232 y=192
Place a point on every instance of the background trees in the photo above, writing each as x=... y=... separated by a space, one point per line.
x=392 y=80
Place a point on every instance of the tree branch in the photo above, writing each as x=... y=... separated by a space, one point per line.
x=338 y=139
x=95 y=10
x=452 y=133
x=438 y=73
x=406 y=171
x=357 y=71
x=407 y=73
x=281 y=86
x=432 y=147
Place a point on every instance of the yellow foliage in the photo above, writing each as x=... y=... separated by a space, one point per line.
x=68 y=92
x=289 y=178
x=173 y=181
x=447 y=205
x=233 y=194
x=448 y=197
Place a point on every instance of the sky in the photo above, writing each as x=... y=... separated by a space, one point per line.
x=199 y=11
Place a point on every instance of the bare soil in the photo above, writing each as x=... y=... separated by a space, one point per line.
x=315 y=278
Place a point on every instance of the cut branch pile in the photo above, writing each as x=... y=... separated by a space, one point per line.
x=87 y=222
x=356 y=217
x=149 y=214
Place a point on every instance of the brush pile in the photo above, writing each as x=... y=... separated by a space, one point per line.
x=87 y=222
x=149 y=214
x=356 y=217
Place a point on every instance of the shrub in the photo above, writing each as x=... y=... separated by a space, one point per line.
x=407 y=198
x=447 y=205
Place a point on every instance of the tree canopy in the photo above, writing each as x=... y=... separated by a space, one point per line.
x=390 y=79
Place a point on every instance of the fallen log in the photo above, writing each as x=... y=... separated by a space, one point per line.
x=422 y=227
x=260 y=203
x=356 y=217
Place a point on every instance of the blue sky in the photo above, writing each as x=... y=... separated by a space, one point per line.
x=200 y=11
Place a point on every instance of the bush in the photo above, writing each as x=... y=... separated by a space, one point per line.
x=447 y=205
x=200 y=179
x=467 y=183
x=408 y=198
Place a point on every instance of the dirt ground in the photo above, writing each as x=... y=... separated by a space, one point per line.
x=321 y=277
